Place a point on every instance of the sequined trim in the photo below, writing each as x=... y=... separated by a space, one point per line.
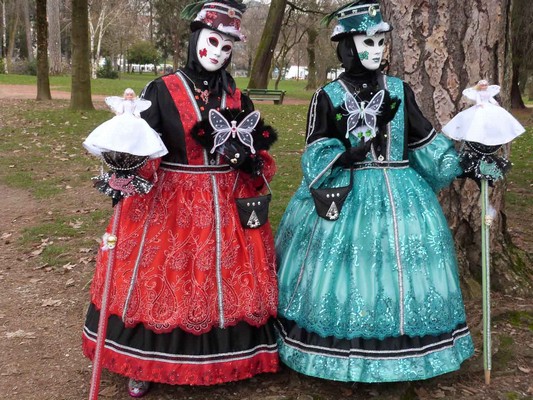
x=424 y=142
x=354 y=352
x=140 y=253
x=185 y=84
x=381 y=164
x=336 y=92
x=302 y=268
x=327 y=168
x=397 y=251
x=181 y=358
x=312 y=115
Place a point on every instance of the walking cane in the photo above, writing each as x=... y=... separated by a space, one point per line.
x=104 y=309
x=485 y=279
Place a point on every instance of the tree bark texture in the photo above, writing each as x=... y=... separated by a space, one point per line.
x=440 y=47
x=312 y=35
x=265 y=51
x=80 y=95
x=43 y=81
x=27 y=28
x=54 y=37
x=13 y=24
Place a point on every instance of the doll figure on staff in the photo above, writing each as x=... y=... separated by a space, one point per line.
x=485 y=122
x=124 y=143
x=368 y=284
x=127 y=132
x=194 y=291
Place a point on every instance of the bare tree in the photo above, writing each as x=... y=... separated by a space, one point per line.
x=13 y=20
x=440 y=48
x=102 y=14
x=263 y=59
x=25 y=4
x=43 y=81
x=171 y=29
x=54 y=36
x=522 y=48
x=80 y=95
x=292 y=32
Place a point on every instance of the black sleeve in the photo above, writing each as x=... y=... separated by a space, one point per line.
x=320 y=120
x=164 y=118
x=152 y=115
x=246 y=104
x=419 y=129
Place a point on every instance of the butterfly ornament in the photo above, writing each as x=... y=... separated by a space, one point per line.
x=223 y=129
x=362 y=117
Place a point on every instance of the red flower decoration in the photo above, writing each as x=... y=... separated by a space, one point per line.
x=203 y=52
x=266 y=134
x=210 y=17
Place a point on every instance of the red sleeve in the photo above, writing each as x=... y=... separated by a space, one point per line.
x=148 y=170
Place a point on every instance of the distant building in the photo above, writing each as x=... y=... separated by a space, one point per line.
x=296 y=72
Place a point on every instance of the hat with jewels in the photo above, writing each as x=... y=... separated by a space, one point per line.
x=223 y=16
x=357 y=17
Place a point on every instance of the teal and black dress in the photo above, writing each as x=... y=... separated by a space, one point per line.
x=373 y=296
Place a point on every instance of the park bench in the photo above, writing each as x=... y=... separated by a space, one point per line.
x=266 y=94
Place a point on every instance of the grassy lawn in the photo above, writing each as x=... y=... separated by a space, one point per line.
x=295 y=89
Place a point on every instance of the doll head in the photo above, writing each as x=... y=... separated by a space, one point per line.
x=482 y=85
x=370 y=49
x=129 y=94
x=213 y=49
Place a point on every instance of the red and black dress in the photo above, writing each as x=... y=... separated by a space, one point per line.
x=193 y=293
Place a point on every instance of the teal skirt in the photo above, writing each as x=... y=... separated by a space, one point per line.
x=373 y=296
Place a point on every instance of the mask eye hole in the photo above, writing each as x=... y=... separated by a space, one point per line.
x=226 y=48
x=213 y=41
x=381 y=42
x=369 y=42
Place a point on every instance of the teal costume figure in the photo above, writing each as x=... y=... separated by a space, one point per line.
x=370 y=292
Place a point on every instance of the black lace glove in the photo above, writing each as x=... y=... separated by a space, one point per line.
x=481 y=161
x=239 y=156
x=354 y=154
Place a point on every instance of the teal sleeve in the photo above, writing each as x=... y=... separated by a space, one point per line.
x=437 y=162
x=318 y=160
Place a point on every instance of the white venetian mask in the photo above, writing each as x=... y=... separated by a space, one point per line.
x=370 y=49
x=213 y=49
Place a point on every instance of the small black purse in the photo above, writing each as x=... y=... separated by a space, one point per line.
x=329 y=201
x=253 y=211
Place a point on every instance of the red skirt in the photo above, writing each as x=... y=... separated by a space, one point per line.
x=183 y=260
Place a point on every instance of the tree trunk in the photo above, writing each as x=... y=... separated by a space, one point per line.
x=440 y=48
x=80 y=94
x=12 y=35
x=312 y=36
x=265 y=51
x=516 y=96
x=27 y=27
x=54 y=37
x=43 y=82
x=4 y=38
x=529 y=88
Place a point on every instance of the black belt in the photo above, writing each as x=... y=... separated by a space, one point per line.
x=195 y=168
x=381 y=164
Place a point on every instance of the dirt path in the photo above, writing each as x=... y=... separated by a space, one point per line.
x=30 y=92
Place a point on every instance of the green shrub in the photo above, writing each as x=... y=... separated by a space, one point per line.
x=107 y=71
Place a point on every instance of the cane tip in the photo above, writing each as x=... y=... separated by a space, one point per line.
x=487 y=377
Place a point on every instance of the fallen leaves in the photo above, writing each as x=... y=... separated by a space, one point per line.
x=51 y=303
x=20 y=334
